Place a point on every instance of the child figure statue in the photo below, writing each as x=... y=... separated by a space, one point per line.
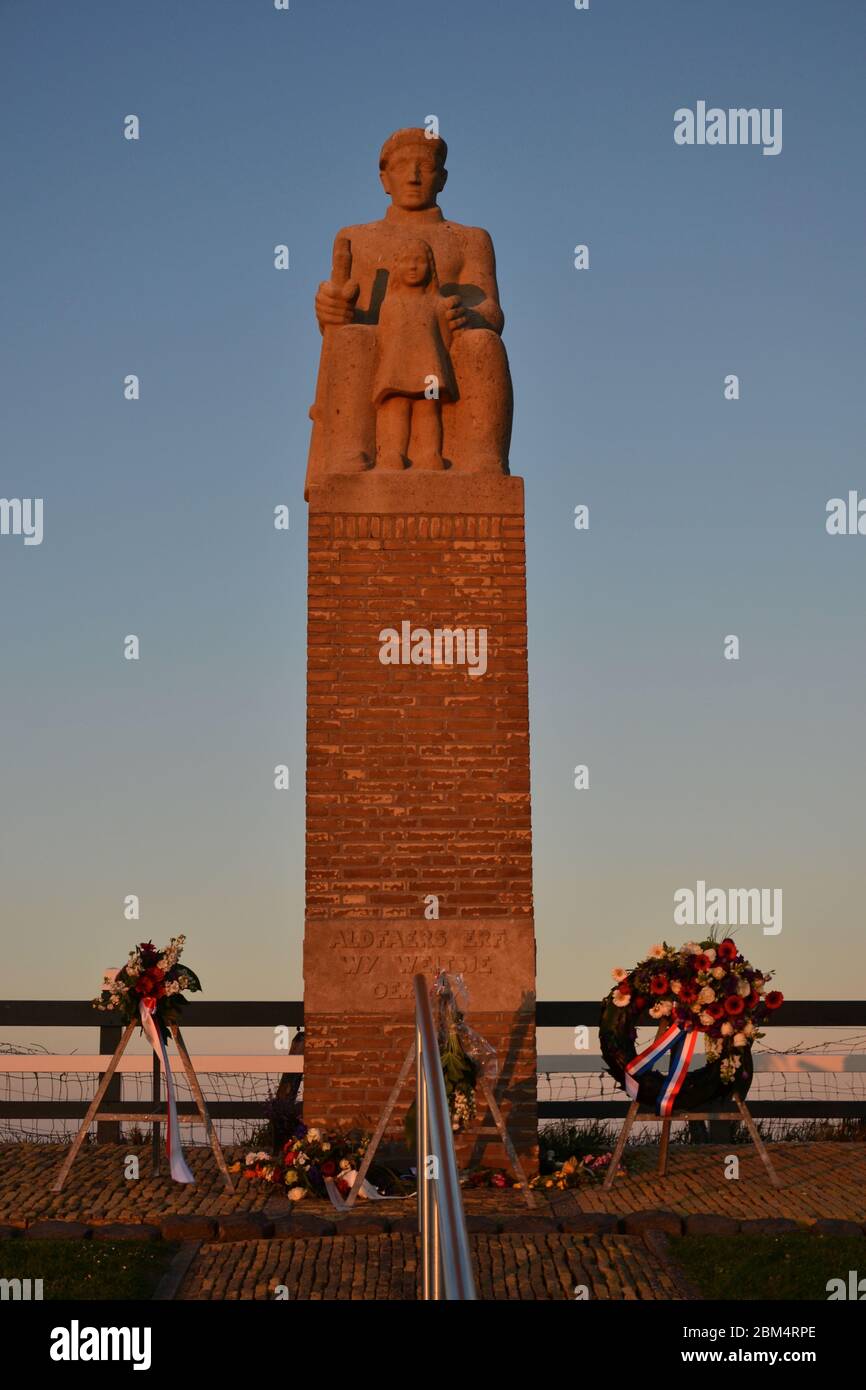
x=413 y=371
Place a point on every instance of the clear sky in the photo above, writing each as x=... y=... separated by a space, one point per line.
x=707 y=516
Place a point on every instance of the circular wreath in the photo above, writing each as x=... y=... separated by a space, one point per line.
x=708 y=985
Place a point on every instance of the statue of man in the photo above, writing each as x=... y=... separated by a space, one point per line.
x=476 y=422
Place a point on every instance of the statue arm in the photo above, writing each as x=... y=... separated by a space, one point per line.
x=479 y=290
x=335 y=299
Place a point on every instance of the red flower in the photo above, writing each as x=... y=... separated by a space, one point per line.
x=701 y=962
x=774 y=999
x=726 y=950
x=715 y=1010
x=659 y=984
x=689 y=993
x=498 y=1180
x=734 y=1005
x=639 y=1002
x=329 y=1168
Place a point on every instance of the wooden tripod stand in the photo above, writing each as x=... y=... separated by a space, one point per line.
x=499 y=1128
x=146 y=1116
x=634 y=1111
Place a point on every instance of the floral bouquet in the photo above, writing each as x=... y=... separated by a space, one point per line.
x=575 y=1172
x=492 y=1177
x=465 y=1056
x=151 y=977
x=310 y=1157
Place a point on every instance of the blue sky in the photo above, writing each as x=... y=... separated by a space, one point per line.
x=706 y=516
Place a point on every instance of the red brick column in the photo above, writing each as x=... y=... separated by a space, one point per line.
x=417 y=785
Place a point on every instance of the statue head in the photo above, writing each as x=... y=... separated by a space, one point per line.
x=415 y=266
x=412 y=168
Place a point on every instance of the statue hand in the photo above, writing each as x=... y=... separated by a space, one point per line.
x=454 y=312
x=335 y=304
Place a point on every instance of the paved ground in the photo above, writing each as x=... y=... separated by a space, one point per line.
x=523 y=1267
x=819 y=1181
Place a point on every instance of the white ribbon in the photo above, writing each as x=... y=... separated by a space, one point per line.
x=176 y=1161
x=366 y=1190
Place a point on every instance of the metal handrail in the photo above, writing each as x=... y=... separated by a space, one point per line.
x=445 y=1257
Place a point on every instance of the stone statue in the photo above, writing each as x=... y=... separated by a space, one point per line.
x=413 y=371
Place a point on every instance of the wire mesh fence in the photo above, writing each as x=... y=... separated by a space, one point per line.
x=825 y=1074
x=32 y=1088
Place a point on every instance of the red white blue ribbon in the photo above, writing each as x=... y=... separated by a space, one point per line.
x=680 y=1042
x=176 y=1161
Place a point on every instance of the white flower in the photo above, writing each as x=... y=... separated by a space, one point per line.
x=251 y=1158
x=666 y=1007
x=676 y=986
x=657 y=952
x=301 y=1160
x=296 y=1193
x=344 y=1165
x=706 y=995
x=325 y=1148
x=727 y=1029
x=749 y=1029
x=621 y=1000
x=744 y=988
x=707 y=1020
x=740 y=1040
x=314 y=1135
x=619 y=974
x=693 y=948
x=710 y=953
x=656 y=1011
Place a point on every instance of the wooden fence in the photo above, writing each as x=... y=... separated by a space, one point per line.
x=34 y=1014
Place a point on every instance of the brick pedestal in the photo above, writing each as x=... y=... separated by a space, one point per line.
x=417 y=784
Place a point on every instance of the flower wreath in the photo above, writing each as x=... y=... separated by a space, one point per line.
x=703 y=987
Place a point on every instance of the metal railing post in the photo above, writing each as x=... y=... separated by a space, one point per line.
x=446 y=1263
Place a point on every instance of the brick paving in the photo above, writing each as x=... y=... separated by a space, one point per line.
x=526 y=1267
x=819 y=1181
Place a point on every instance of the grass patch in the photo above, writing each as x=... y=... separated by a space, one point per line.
x=767 y=1267
x=89 y=1269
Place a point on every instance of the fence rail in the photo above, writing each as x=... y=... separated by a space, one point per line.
x=67 y=1013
